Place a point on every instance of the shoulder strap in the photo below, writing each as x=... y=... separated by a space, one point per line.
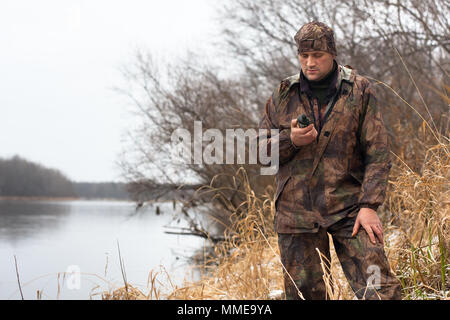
x=344 y=85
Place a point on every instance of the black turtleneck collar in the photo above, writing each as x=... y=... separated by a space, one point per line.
x=326 y=80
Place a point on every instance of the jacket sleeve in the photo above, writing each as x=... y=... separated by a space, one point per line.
x=286 y=148
x=376 y=153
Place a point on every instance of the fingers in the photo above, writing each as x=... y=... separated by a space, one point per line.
x=370 y=233
x=302 y=135
x=355 y=228
x=381 y=228
x=302 y=130
x=374 y=231
x=307 y=129
x=378 y=229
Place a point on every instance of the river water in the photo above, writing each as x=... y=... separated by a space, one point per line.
x=81 y=239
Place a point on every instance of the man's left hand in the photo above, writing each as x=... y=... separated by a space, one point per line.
x=368 y=219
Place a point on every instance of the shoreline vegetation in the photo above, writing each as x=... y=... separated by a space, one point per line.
x=415 y=217
x=247 y=265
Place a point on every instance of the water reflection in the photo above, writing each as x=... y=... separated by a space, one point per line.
x=25 y=220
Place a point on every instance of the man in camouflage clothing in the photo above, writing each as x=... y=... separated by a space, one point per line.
x=332 y=174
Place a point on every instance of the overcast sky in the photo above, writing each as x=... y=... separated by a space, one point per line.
x=59 y=61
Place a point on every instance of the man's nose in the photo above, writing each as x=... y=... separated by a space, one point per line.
x=310 y=62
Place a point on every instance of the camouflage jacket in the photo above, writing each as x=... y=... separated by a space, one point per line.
x=344 y=169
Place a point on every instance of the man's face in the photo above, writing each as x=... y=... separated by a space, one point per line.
x=316 y=64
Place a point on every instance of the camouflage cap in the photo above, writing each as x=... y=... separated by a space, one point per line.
x=315 y=36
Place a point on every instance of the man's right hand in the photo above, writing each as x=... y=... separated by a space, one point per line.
x=302 y=136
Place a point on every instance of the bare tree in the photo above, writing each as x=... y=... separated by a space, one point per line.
x=173 y=99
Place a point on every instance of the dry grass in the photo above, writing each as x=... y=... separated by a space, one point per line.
x=418 y=230
x=246 y=264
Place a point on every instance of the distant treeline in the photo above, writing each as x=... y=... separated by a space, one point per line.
x=22 y=178
x=101 y=190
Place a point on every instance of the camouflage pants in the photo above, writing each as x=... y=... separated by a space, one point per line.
x=365 y=264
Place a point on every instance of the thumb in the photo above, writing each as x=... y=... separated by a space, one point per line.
x=293 y=123
x=356 y=227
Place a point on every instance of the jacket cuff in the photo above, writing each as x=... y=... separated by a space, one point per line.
x=286 y=134
x=368 y=205
x=294 y=146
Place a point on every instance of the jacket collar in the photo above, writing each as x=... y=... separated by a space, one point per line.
x=343 y=74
